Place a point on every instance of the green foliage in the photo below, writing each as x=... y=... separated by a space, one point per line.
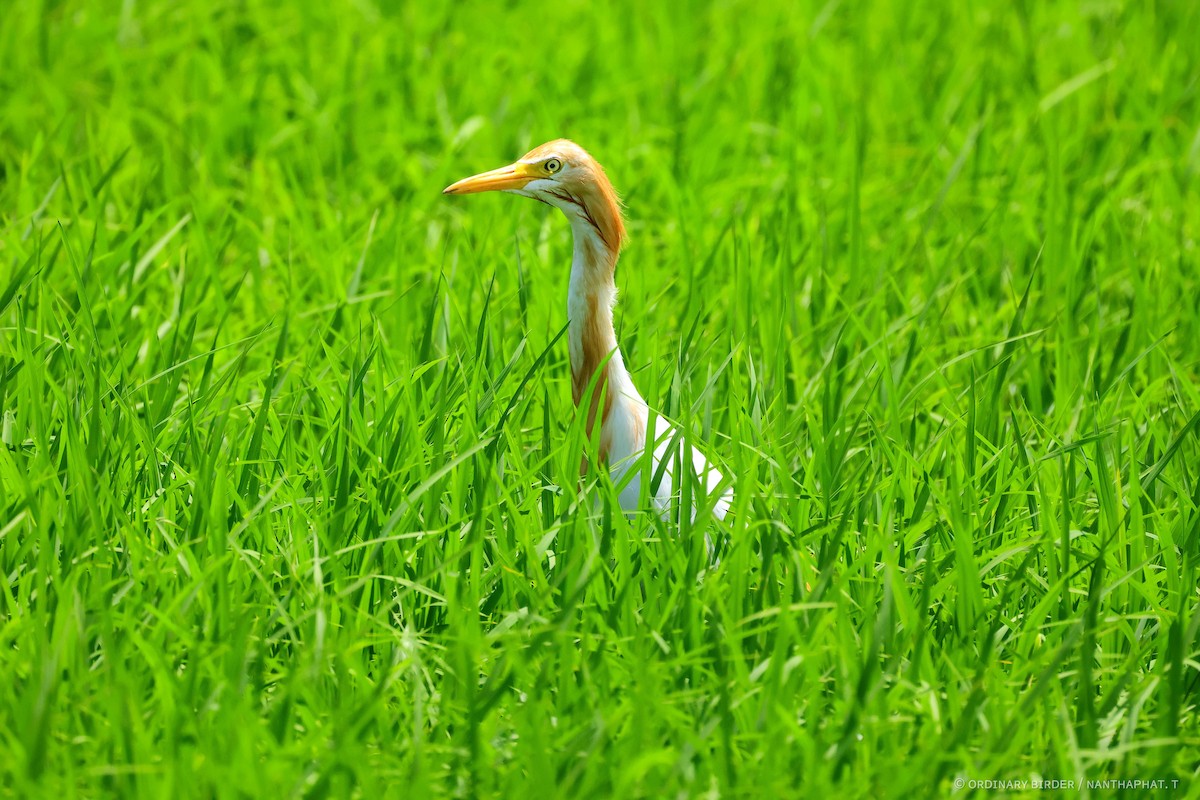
x=289 y=485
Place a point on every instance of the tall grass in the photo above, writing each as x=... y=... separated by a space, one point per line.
x=290 y=474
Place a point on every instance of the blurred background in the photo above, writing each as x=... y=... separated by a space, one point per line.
x=287 y=499
x=860 y=135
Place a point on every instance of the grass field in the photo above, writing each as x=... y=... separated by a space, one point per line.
x=289 y=500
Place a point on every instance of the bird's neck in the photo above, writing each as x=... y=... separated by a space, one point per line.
x=595 y=356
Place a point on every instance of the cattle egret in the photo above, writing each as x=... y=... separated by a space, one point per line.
x=564 y=175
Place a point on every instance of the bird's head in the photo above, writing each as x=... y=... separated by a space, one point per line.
x=564 y=175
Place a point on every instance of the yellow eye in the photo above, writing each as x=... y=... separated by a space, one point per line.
x=552 y=166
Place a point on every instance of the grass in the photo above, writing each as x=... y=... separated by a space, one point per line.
x=289 y=467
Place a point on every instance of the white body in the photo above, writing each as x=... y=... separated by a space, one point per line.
x=624 y=430
x=623 y=461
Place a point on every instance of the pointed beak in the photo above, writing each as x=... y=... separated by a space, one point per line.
x=514 y=176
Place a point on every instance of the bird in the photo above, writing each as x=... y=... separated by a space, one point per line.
x=562 y=174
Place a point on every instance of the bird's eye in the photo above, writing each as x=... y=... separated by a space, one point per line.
x=553 y=165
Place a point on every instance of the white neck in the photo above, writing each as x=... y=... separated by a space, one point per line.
x=590 y=299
